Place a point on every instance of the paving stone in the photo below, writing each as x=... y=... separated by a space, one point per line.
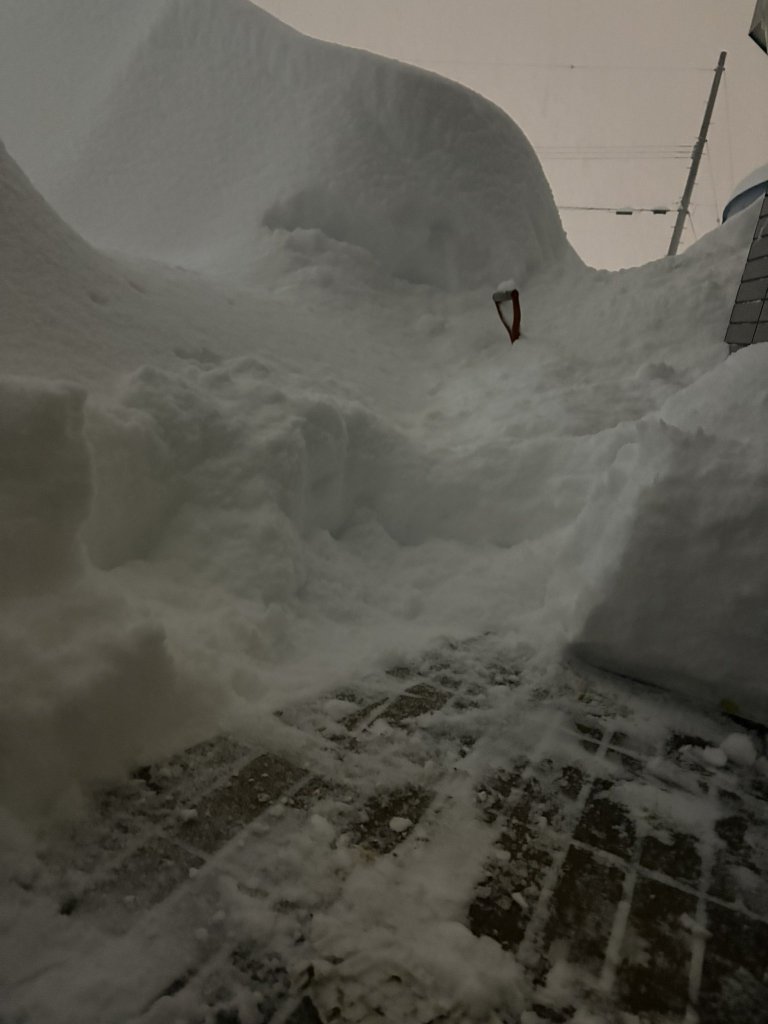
x=605 y=824
x=401 y=671
x=539 y=805
x=735 y=854
x=582 y=910
x=678 y=859
x=418 y=700
x=732 y=830
x=498 y=792
x=653 y=975
x=571 y=781
x=352 y=722
x=734 y=984
x=552 y=1015
x=506 y=896
x=635 y=745
x=731 y=995
x=502 y=674
x=738 y=938
x=313 y=791
x=374 y=832
x=228 y=809
x=589 y=735
x=144 y=878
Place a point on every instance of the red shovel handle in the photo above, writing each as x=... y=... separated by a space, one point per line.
x=514 y=297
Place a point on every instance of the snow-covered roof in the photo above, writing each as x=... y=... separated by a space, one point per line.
x=742 y=194
x=756 y=177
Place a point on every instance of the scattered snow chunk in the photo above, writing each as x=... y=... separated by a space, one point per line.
x=738 y=747
x=714 y=756
x=322 y=828
x=400 y=824
x=520 y=900
x=380 y=728
x=506 y=286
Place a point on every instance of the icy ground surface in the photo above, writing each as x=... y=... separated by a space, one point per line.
x=459 y=838
x=273 y=443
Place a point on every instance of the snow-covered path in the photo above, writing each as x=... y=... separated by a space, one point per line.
x=461 y=838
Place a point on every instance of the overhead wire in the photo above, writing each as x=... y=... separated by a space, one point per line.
x=607 y=153
x=652 y=68
x=612 y=153
x=658 y=210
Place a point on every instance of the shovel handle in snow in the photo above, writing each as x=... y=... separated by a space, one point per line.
x=513 y=296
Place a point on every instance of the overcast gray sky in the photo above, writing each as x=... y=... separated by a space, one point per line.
x=585 y=79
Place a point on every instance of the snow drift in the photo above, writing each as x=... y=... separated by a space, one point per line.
x=202 y=132
x=679 y=585
x=86 y=676
x=231 y=485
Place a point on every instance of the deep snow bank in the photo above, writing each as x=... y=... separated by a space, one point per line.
x=48 y=275
x=199 y=132
x=267 y=493
x=676 y=576
x=87 y=681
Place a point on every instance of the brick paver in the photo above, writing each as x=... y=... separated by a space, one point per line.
x=662 y=921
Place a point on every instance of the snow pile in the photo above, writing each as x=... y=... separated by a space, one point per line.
x=206 y=133
x=678 y=557
x=50 y=279
x=45 y=484
x=269 y=488
x=86 y=676
x=395 y=945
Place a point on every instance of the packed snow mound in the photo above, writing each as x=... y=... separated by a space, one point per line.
x=46 y=269
x=87 y=678
x=674 y=586
x=205 y=133
x=72 y=312
x=247 y=494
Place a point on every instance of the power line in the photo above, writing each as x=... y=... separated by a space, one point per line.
x=628 y=147
x=615 y=152
x=561 y=67
x=625 y=211
x=618 y=157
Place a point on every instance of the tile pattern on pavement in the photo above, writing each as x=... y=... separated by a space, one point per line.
x=607 y=899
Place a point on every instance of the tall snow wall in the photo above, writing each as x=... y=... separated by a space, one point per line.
x=673 y=586
x=198 y=132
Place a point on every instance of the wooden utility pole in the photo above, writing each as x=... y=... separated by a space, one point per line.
x=698 y=151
